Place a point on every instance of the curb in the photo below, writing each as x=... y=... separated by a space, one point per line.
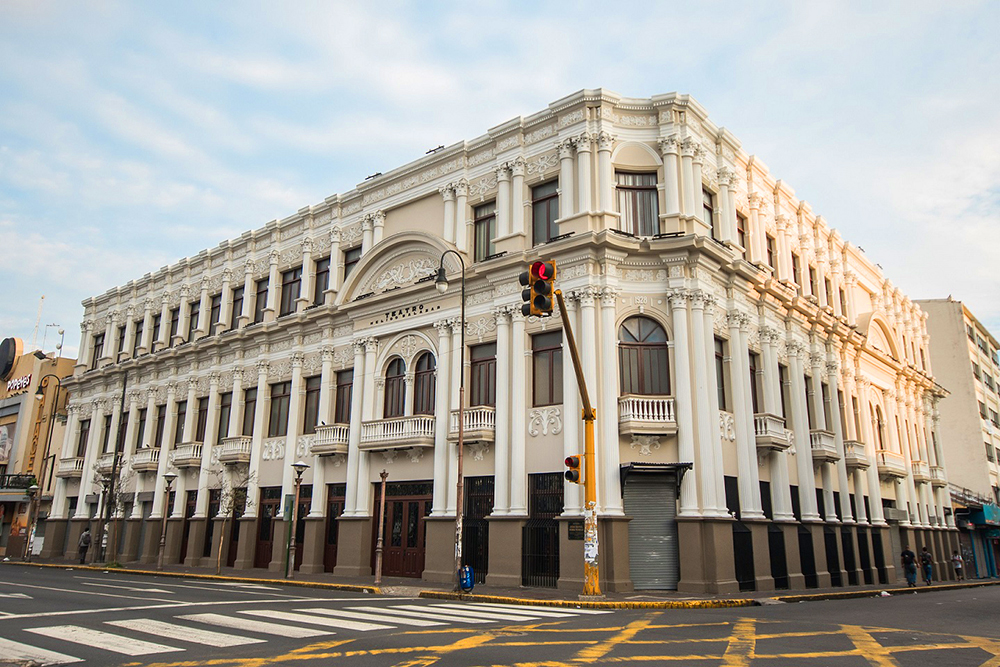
x=593 y=604
x=848 y=595
x=211 y=577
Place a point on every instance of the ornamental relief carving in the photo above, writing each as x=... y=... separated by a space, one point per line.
x=273 y=449
x=343 y=357
x=645 y=444
x=353 y=207
x=483 y=186
x=727 y=426
x=403 y=274
x=485 y=296
x=644 y=275
x=478 y=449
x=480 y=158
x=542 y=421
x=542 y=163
x=576 y=271
x=481 y=327
x=349 y=235
x=539 y=134
x=570 y=118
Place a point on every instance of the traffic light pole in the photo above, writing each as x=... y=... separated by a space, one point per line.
x=591 y=579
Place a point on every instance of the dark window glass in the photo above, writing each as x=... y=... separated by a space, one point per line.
x=423 y=385
x=546 y=366
x=345 y=384
x=249 y=410
x=106 y=434
x=194 y=312
x=179 y=425
x=395 y=389
x=783 y=387
x=351 y=259
x=485 y=226
x=813 y=284
x=156 y=331
x=322 y=280
x=708 y=211
x=175 y=321
x=98 y=350
x=642 y=358
x=161 y=423
x=260 y=300
x=741 y=233
x=216 y=313
x=121 y=339
x=720 y=373
x=754 y=384
x=483 y=376
x=202 y=424
x=769 y=242
x=137 y=340
x=81 y=443
x=225 y=412
x=311 y=418
x=237 y=309
x=140 y=428
x=638 y=203
x=545 y=211
x=828 y=286
x=281 y=394
x=843 y=302
x=291 y=287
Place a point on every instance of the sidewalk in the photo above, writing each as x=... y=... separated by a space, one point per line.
x=404 y=587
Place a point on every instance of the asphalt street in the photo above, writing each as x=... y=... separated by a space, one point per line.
x=66 y=616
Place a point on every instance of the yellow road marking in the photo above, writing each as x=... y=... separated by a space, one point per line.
x=594 y=653
x=869 y=647
x=742 y=643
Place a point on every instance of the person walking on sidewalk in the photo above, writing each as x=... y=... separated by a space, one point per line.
x=909 y=560
x=84 y=544
x=958 y=563
x=926 y=564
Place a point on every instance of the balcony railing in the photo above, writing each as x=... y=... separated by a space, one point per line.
x=17 y=481
x=921 y=471
x=890 y=464
x=146 y=460
x=480 y=424
x=824 y=446
x=235 y=450
x=938 y=477
x=398 y=433
x=653 y=415
x=769 y=431
x=855 y=457
x=187 y=455
x=330 y=439
x=71 y=467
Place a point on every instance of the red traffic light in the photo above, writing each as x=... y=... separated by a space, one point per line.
x=543 y=270
x=573 y=472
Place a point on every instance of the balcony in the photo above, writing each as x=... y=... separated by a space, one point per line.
x=855 y=457
x=937 y=477
x=16 y=481
x=187 y=455
x=146 y=460
x=104 y=464
x=330 y=439
x=890 y=464
x=824 y=446
x=398 y=433
x=71 y=467
x=235 y=450
x=646 y=415
x=770 y=432
x=921 y=471
x=480 y=424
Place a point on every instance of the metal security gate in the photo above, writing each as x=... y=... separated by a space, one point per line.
x=540 y=535
x=651 y=500
x=475 y=528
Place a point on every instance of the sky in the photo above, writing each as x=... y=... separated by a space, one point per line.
x=135 y=134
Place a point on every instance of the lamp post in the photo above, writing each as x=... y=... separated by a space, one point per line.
x=168 y=478
x=42 y=477
x=299 y=467
x=381 y=528
x=441 y=283
x=32 y=494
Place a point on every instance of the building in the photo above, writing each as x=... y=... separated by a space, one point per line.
x=32 y=414
x=967 y=362
x=764 y=395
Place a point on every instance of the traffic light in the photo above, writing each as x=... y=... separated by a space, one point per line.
x=538 y=283
x=573 y=472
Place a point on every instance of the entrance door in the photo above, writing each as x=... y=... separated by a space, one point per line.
x=190 y=502
x=305 y=502
x=270 y=504
x=651 y=501
x=403 y=547
x=239 y=506
x=334 y=508
x=540 y=535
x=475 y=528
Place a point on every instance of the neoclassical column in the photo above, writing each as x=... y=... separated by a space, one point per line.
x=520 y=351
x=110 y=340
x=70 y=438
x=271 y=307
x=583 y=144
x=246 y=313
x=295 y=417
x=567 y=199
x=671 y=177
x=800 y=427
x=462 y=221
x=587 y=297
x=129 y=333
x=368 y=410
x=226 y=303
x=820 y=252
x=572 y=446
x=501 y=456
x=235 y=427
x=503 y=200
x=610 y=477
x=833 y=382
x=605 y=172
x=146 y=342
x=354 y=431
x=448 y=194
x=336 y=267
x=442 y=416
x=132 y=417
x=116 y=417
x=191 y=416
x=817 y=360
x=905 y=497
x=757 y=251
x=706 y=406
x=696 y=187
x=781 y=489
x=784 y=260
x=727 y=216
x=684 y=399
x=90 y=456
x=185 y=317
x=378 y=226
x=688 y=148
x=211 y=441
x=308 y=277
x=317 y=504
x=256 y=444
x=850 y=280
x=367 y=233
x=746 y=441
x=86 y=346
x=169 y=420
x=874 y=487
x=204 y=310
x=456 y=378
x=517 y=196
x=149 y=428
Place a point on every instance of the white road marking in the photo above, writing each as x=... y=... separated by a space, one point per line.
x=303 y=618
x=517 y=612
x=11 y=650
x=82 y=592
x=128 y=588
x=448 y=618
x=19 y=596
x=240 y=584
x=473 y=613
x=519 y=607
x=183 y=633
x=249 y=625
x=372 y=617
x=103 y=640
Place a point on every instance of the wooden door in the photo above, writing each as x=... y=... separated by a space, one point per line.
x=406 y=506
x=270 y=505
x=334 y=508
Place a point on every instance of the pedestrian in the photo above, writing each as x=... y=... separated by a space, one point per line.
x=926 y=564
x=909 y=560
x=84 y=544
x=958 y=563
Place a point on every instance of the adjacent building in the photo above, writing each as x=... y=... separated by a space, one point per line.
x=765 y=403
x=965 y=355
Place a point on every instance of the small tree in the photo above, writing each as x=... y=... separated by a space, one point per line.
x=233 y=500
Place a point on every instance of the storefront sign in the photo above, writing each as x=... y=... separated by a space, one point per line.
x=989 y=515
x=19 y=384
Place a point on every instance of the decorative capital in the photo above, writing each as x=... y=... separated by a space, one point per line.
x=517 y=166
x=447 y=192
x=794 y=348
x=307 y=245
x=609 y=296
x=335 y=235
x=274 y=257
x=583 y=141
x=249 y=267
x=443 y=326
x=604 y=141
x=502 y=314
x=378 y=218
x=668 y=145
x=817 y=360
x=263 y=366
x=566 y=148
x=227 y=274
x=770 y=336
x=832 y=367
x=725 y=176
x=462 y=187
x=688 y=147
x=678 y=298
x=297 y=359
x=326 y=353
x=214 y=378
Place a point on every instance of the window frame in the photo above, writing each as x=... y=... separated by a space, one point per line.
x=351 y=258
x=236 y=310
x=547 y=354
x=310 y=407
x=280 y=398
x=261 y=288
x=322 y=280
x=424 y=381
x=291 y=290
x=708 y=208
x=484 y=226
x=642 y=356
x=249 y=411
x=394 y=398
x=483 y=375
x=544 y=212
x=629 y=197
x=342 y=401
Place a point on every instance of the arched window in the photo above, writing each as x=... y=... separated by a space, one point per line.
x=878 y=427
x=423 y=385
x=395 y=389
x=642 y=357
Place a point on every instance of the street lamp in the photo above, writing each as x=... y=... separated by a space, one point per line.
x=42 y=478
x=32 y=494
x=299 y=467
x=168 y=478
x=441 y=283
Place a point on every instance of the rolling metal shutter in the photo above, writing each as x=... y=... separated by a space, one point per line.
x=651 y=501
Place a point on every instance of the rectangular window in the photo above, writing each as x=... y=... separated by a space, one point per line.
x=277 y=423
x=291 y=287
x=982 y=409
x=140 y=428
x=754 y=384
x=322 y=280
x=720 y=372
x=161 y=422
x=156 y=331
x=546 y=366
x=989 y=451
x=741 y=233
x=970 y=332
x=216 y=313
x=708 y=211
x=260 y=300
x=175 y=321
x=237 y=309
x=351 y=259
x=311 y=419
x=813 y=286
x=98 y=350
x=249 y=410
x=81 y=443
x=483 y=376
x=769 y=242
x=121 y=339
x=783 y=388
x=202 y=423
x=485 y=228
x=829 y=291
x=106 y=434
x=638 y=203
x=545 y=211
x=797 y=271
x=843 y=302
x=179 y=425
x=225 y=412
x=342 y=409
x=137 y=338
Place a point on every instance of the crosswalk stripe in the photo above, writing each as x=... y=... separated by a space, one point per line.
x=448 y=618
x=372 y=617
x=454 y=614
x=183 y=633
x=249 y=625
x=103 y=640
x=517 y=612
x=519 y=607
x=11 y=650
x=314 y=620
x=458 y=610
